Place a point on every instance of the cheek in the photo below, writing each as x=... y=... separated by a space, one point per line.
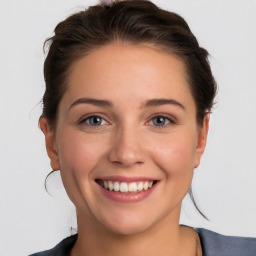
x=175 y=154
x=78 y=153
x=78 y=156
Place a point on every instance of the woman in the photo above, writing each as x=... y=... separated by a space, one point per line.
x=126 y=115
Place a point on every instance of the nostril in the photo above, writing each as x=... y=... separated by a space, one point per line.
x=127 y=162
x=125 y=152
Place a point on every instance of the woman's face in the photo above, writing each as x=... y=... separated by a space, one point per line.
x=126 y=120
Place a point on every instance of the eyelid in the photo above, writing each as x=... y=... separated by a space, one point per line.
x=87 y=116
x=169 y=117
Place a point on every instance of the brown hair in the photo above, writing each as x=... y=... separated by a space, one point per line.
x=132 y=22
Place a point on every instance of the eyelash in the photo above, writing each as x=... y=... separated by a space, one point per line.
x=172 y=121
x=87 y=118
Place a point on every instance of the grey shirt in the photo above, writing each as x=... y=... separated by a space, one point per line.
x=213 y=244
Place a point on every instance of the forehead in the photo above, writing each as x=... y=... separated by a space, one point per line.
x=128 y=72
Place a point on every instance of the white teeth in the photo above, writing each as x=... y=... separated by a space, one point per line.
x=116 y=186
x=140 y=186
x=145 y=186
x=133 y=187
x=125 y=187
x=110 y=185
x=105 y=184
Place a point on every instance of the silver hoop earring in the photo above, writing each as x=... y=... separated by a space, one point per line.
x=45 y=181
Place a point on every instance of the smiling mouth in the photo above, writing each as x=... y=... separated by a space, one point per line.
x=126 y=187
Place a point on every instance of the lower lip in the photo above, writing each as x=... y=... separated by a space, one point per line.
x=129 y=197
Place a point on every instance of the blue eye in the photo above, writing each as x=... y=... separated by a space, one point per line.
x=160 y=121
x=94 y=121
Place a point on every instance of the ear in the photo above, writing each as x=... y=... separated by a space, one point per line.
x=202 y=138
x=50 y=143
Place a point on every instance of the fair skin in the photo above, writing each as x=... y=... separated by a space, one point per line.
x=128 y=115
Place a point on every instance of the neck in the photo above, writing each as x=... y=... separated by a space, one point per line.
x=163 y=238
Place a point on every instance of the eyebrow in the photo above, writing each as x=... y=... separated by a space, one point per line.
x=96 y=102
x=106 y=103
x=160 y=102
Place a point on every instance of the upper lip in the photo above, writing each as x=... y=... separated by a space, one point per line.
x=125 y=178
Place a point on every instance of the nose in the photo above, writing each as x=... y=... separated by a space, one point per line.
x=126 y=148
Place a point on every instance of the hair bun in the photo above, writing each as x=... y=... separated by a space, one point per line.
x=107 y=3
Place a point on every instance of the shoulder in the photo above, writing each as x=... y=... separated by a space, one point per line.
x=61 y=249
x=215 y=244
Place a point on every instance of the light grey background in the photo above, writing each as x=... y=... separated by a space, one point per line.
x=224 y=184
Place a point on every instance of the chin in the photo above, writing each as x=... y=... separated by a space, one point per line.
x=126 y=226
x=126 y=229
